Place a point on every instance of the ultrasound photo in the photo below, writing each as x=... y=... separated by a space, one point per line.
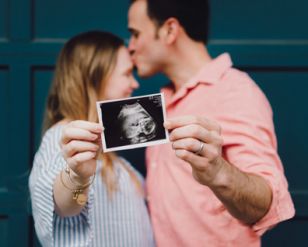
x=132 y=122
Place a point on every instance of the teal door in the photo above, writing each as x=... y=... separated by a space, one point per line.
x=267 y=38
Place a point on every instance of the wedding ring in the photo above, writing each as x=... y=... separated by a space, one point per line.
x=200 y=148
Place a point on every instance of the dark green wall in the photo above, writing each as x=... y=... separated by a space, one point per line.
x=267 y=38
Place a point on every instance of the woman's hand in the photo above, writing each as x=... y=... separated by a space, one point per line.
x=80 y=144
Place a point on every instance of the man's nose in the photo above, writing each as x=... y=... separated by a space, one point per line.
x=131 y=46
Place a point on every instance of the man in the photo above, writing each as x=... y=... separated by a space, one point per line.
x=220 y=182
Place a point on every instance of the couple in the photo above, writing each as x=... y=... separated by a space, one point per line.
x=219 y=182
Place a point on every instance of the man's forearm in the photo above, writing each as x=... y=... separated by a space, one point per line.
x=246 y=196
x=199 y=142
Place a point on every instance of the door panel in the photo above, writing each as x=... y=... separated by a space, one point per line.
x=73 y=16
x=4 y=106
x=259 y=20
x=41 y=79
x=3 y=19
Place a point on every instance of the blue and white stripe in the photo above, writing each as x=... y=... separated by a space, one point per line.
x=120 y=221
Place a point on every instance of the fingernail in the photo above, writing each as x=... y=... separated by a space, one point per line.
x=100 y=128
x=167 y=124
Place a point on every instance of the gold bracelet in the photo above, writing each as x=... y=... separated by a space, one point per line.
x=80 y=186
x=78 y=195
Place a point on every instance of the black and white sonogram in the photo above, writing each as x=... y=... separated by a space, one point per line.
x=132 y=122
x=136 y=124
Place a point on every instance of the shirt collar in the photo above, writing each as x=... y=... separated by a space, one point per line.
x=209 y=74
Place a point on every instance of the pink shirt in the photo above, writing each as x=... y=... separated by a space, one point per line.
x=185 y=213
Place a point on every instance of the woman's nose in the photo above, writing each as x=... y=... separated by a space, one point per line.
x=134 y=84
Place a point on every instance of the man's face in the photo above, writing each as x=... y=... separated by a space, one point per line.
x=145 y=45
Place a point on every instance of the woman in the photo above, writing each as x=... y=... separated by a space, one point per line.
x=80 y=196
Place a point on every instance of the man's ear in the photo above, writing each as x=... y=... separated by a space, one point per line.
x=171 y=30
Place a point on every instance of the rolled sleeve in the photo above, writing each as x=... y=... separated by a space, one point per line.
x=76 y=230
x=51 y=229
x=266 y=164
x=250 y=144
x=281 y=207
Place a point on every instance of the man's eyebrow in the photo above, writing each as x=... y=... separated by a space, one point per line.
x=133 y=30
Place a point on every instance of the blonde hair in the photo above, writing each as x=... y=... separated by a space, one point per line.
x=82 y=69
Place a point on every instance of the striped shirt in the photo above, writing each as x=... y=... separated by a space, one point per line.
x=122 y=220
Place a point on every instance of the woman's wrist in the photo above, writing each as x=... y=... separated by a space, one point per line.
x=79 y=192
x=75 y=178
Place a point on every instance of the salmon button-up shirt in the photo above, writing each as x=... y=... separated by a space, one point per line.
x=186 y=213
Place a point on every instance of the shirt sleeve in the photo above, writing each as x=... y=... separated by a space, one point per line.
x=51 y=229
x=250 y=144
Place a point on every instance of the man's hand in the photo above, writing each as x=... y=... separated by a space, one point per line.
x=198 y=141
